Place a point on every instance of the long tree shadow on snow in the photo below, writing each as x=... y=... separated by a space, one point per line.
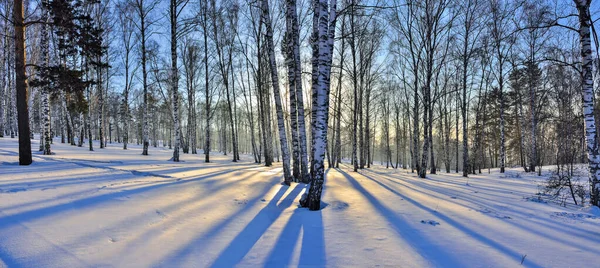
x=7 y=221
x=115 y=179
x=410 y=185
x=247 y=238
x=312 y=252
x=436 y=255
x=149 y=234
x=427 y=252
x=200 y=243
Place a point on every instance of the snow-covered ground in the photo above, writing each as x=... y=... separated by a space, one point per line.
x=116 y=208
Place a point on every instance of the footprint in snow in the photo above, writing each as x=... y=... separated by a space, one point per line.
x=160 y=214
x=339 y=205
x=13 y=190
x=241 y=201
x=430 y=222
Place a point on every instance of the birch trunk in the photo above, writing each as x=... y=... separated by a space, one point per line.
x=204 y=13
x=355 y=116
x=291 y=65
x=12 y=92
x=100 y=93
x=145 y=119
x=326 y=34
x=457 y=128
x=249 y=108
x=41 y=125
x=425 y=154
x=175 y=80
x=368 y=123
x=235 y=125
x=521 y=125
x=338 y=118
x=81 y=131
x=189 y=62
x=62 y=124
x=292 y=16
x=3 y=71
x=447 y=160
x=502 y=122
x=275 y=81
x=591 y=140
x=44 y=90
x=88 y=126
x=45 y=114
x=533 y=162
x=464 y=108
x=125 y=106
x=69 y=118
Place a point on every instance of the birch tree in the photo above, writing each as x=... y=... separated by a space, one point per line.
x=433 y=26
x=143 y=23
x=191 y=58
x=587 y=87
x=3 y=71
x=127 y=29
x=295 y=83
x=325 y=41
x=224 y=28
x=470 y=23
x=208 y=93
x=276 y=93
x=44 y=90
x=502 y=42
x=175 y=9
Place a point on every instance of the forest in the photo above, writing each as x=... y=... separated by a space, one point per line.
x=438 y=94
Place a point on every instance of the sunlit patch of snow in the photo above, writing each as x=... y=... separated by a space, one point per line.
x=116 y=208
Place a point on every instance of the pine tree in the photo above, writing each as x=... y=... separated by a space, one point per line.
x=21 y=85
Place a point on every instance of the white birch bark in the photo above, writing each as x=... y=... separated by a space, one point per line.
x=81 y=131
x=175 y=81
x=125 y=107
x=326 y=34
x=88 y=121
x=294 y=46
x=290 y=14
x=12 y=93
x=532 y=89
x=204 y=24
x=591 y=142
x=276 y=93
x=100 y=93
x=3 y=84
x=44 y=91
x=521 y=131
x=142 y=15
x=190 y=59
x=70 y=125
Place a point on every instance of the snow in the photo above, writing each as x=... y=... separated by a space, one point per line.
x=116 y=208
x=593 y=211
